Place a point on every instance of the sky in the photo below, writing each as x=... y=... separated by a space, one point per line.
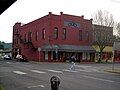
x=25 y=11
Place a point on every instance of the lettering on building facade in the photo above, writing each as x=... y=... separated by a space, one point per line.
x=72 y=24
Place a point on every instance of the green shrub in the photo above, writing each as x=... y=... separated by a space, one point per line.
x=1 y=87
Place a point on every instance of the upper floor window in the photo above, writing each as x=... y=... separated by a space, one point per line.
x=64 y=33
x=25 y=37
x=17 y=41
x=97 y=35
x=43 y=33
x=55 y=32
x=16 y=31
x=87 y=35
x=80 y=34
x=30 y=36
x=36 y=35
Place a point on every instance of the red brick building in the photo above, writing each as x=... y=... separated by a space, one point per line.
x=54 y=38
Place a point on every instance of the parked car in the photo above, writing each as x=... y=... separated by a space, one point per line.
x=21 y=58
x=7 y=57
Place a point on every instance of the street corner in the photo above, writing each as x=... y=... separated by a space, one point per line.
x=112 y=70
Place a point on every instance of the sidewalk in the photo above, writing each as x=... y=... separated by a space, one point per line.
x=115 y=70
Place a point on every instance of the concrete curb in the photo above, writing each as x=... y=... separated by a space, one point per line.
x=116 y=70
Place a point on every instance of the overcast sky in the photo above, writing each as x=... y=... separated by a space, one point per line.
x=25 y=11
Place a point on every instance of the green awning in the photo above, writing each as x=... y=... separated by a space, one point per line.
x=68 y=48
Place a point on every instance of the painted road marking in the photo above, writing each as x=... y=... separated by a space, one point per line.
x=36 y=71
x=8 y=62
x=69 y=70
x=83 y=66
x=83 y=70
x=42 y=86
x=55 y=71
x=19 y=72
x=98 y=79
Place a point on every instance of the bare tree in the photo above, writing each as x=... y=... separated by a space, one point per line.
x=103 y=18
x=104 y=31
x=118 y=29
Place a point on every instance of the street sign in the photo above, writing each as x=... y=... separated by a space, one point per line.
x=39 y=49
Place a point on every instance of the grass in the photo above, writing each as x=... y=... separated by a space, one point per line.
x=1 y=87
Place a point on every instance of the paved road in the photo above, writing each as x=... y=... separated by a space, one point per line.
x=36 y=76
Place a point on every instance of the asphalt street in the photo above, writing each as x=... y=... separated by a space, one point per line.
x=36 y=76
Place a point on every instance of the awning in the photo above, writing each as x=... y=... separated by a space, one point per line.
x=68 y=48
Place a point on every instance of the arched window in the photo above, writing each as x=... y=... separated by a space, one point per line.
x=30 y=36
x=64 y=33
x=80 y=35
x=43 y=33
x=36 y=35
x=55 y=32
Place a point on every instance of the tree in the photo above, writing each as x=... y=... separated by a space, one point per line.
x=105 y=20
x=118 y=29
x=1 y=47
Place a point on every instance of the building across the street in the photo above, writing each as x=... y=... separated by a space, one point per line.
x=103 y=38
x=116 y=51
x=54 y=38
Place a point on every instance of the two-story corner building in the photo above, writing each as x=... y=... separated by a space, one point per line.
x=103 y=37
x=54 y=38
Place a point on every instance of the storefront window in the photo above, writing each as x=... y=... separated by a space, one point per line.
x=86 y=56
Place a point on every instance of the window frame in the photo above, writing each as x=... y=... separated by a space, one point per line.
x=43 y=33
x=64 y=33
x=55 y=33
x=36 y=35
x=80 y=35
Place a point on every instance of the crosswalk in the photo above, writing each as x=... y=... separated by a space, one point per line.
x=44 y=72
x=19 y=72
x=37 y=71
x=79 y=68
x=68 y=70
x=54 y=71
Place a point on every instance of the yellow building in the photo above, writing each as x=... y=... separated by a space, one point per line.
x=106 y=55
x=103 y=36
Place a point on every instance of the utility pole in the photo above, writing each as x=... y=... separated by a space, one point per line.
x=113 y=56
x=39 y=50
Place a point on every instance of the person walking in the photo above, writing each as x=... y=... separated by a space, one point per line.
x=72 y=67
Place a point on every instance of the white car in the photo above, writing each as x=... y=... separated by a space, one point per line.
x=7 y=57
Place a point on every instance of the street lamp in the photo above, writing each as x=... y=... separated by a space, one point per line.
x=56 y=51
x=39 y=50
